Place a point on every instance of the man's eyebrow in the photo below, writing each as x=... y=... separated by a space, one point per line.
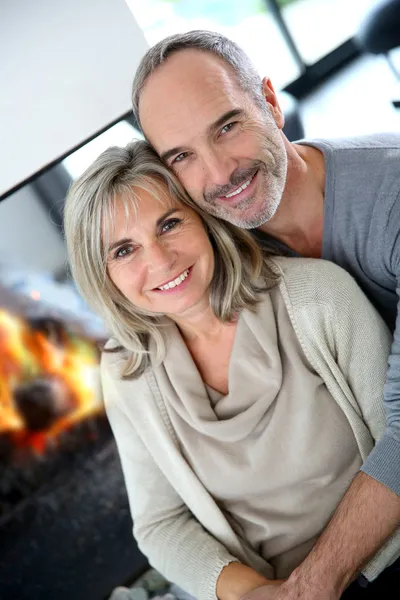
x=159 y=221
x=231 y=114
x=168 y=153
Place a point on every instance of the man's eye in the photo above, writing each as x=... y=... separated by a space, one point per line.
x=170 y=224
x=228 y=127
x=123 y=252
x=179 y=157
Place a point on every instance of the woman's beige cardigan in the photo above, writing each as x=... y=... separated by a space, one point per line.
x=177 y=524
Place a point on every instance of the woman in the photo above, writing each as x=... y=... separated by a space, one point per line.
x=240 y=390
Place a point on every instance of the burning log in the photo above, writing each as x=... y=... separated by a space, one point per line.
x=42 y=401
x=53 y=329
x=49 y=379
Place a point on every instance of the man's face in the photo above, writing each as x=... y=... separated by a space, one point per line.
x=227 y=151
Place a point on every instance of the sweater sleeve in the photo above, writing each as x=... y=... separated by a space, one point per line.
x=342 y=332
x=167 y=533
x=342 y=327
x=362 y=345
x=383 y=463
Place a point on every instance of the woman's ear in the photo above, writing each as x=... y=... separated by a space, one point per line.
x=272 y=101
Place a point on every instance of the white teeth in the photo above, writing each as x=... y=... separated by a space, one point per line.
x=242 y=187
x=175 y=282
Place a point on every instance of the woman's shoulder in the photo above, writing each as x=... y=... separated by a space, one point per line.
x=111 y=357
x=294 y=267
x=314 y=280
x=112 y=362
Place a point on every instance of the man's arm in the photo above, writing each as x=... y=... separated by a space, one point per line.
x=357 y=530
x=383 y=463
x=364 y=520
x=366 y=517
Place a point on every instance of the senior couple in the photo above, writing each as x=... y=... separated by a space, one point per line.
x=253 y=389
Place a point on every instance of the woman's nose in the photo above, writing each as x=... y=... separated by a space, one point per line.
x=160 y=257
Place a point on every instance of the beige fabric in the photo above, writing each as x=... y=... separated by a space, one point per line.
x=276 y=453
x=177 y=523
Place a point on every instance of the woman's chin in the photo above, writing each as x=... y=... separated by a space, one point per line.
x=188 y=309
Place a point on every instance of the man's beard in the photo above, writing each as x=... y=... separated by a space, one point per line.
x=271 y=174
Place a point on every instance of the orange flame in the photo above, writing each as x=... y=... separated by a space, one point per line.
x=25 y=354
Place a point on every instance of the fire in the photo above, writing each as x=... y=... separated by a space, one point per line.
x=64 y=365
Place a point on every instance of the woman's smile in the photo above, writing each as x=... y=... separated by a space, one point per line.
x=176 y=284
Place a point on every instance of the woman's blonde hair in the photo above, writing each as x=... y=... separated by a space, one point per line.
x=241 y=273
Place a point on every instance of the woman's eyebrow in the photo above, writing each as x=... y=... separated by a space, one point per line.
x=118 y=243
x=126 y=240
x=167 y=214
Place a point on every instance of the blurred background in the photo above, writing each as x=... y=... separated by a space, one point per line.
x=66 y=69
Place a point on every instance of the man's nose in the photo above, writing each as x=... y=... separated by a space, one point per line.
x=218 y=167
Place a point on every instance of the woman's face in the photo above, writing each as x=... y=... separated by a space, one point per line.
x=160 y=256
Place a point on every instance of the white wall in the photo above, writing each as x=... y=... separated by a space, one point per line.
x=27 y=235
x=66 y=69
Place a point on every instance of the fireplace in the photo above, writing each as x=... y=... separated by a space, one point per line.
x=65 y=526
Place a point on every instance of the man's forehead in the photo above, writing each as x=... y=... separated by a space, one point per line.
x=190 y=68
x=185 y=95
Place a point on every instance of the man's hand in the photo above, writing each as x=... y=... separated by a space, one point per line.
x=286 y=590
x=367 y=515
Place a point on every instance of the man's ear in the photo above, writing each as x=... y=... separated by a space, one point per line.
x=272 y=101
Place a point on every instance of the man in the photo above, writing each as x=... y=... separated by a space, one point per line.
x=203 y=107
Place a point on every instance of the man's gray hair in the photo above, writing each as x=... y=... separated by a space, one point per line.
x=205 y=41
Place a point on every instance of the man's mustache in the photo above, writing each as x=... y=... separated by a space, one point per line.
x=238 y=177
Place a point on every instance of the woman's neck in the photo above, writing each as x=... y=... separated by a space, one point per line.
x=200 y=325
x=210 y=343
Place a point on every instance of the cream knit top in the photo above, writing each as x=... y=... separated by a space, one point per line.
x=184 y=529
x=277 y=453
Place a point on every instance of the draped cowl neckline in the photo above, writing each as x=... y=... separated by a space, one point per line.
x=255 y=357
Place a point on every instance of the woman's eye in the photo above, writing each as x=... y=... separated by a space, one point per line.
x=170 y=224
x=123 y=252
x=227 y=127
